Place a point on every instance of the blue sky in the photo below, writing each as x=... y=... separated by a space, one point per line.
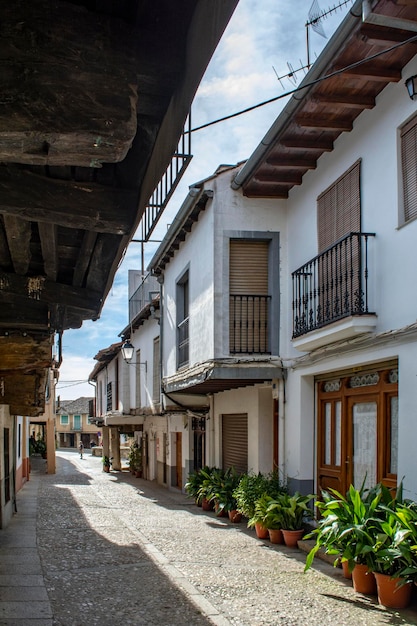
x=260 y=41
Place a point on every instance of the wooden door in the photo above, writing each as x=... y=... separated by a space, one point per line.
x=357 y=430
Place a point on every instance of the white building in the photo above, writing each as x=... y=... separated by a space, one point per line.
x=288 y=310
x=341 y=159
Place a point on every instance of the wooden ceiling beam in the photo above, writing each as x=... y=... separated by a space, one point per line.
x=286 y=163
x=43 y=290
x=373 y=72
x=49 y=246
x=18 y=233
x=353 y=101
x=321 y=144
x=87 y=206
x=382 y=36
x=279 y=179
x=335 y=124
x=84 y=257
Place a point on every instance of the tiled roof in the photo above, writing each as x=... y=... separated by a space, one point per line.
x=74 y=407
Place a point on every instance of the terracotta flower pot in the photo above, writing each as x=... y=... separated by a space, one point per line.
x=292 y=537
x=261 y=531
x=206 y=505
x=363 y=580
x=345 y=568
x=275 y=535
x=235 y=516
x=391 y=593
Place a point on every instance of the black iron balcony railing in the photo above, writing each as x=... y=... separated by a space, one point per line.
x=249 y=324
x=333 y=285
x=183 y=343
x=144 y=294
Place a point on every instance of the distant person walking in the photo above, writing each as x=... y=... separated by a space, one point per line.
x=81 y=449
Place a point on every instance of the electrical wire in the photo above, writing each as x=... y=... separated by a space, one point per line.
x=305 y=86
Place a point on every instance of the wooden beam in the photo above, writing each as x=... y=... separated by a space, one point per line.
x=353 y=101
x=374 y=72
x=48 y=237
x=296 y=164
x=88 y=206
x=279 y=179
x=322 y=144
x=46 y=291
x=18 y=233
x=324 y=123
x=383 y=36
x=84 y=257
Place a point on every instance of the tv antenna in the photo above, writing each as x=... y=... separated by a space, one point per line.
x=315 y=17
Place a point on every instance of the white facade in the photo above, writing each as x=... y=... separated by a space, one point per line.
x=375 y=140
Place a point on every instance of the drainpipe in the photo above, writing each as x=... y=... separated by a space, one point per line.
x=210 y=455
x=281 y=427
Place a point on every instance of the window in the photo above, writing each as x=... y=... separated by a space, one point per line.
x=156 y=391
x=109 y=404
x=64 y=420
x=339 y=209
x=77 y=422
x=183 y=342
x=249 y=298
x=409 y=169
x=138 y=380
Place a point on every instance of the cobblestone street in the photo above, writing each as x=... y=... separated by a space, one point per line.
x=118 y=551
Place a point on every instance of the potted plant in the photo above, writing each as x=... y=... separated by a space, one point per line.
x=106 y=463
x=252 y=486
x=224 y=485
x=260 y=520
x=205 y=491
x=344 y=530
x=394 y=561
x=294 y=511
x=194 y=483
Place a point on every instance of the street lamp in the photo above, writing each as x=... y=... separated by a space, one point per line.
x=127 y=351
x=411 y=84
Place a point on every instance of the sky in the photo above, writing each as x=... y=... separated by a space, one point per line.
x=263 y=41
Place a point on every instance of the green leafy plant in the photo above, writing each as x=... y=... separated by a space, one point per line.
x=346 y=528
x=107 y=461
x=194 y=483
x=261 y=515
x=294 y=510
x=252 y=486
x=224 y=486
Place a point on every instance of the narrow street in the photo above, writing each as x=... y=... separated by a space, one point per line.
x=118 y=551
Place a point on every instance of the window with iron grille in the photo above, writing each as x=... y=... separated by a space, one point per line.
x=156 y=391
x=183 y=337
x=249 y=308
x=409 y=169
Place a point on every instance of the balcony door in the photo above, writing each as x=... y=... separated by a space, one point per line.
x=358 y=430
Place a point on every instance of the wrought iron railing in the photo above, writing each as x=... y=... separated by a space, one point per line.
x=333 y=285
x=183 y=342
x=144 y=294
x=168 y=183
x=249 y=324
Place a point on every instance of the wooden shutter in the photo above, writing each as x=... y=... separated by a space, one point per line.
x=248 y=288
x=339 y=209
x=235 y=442
x=248 y=267
x=409 y=168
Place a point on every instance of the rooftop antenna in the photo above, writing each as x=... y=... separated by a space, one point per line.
x=315 y=17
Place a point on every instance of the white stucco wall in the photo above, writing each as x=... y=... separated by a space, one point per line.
x=256 y=402
x=142 y=339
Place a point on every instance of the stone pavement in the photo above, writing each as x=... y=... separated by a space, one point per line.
x=89 y=548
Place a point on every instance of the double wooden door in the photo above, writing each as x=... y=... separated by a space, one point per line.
x=358 y=431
